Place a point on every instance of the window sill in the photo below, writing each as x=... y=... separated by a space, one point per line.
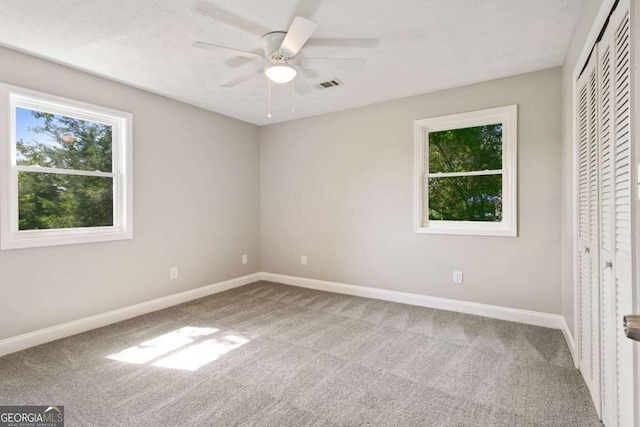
x=35 y=239
x=460 y=230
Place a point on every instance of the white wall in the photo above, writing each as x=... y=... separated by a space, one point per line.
x=196 y=206
x=587 y=16
x=339 y=189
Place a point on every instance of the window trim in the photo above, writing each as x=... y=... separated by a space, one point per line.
x=122 y=168
x=508 y=117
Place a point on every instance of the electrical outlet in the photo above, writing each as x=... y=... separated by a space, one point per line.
x=173 y=273
x=245 y=259
x=303 y=260
x=457 y=277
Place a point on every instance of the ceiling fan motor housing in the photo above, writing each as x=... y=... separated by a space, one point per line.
x=271 y=43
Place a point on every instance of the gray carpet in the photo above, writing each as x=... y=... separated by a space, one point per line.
x=268 y=354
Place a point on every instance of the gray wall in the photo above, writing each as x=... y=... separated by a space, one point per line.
x=196 y=206
x=580 y=33
x=339 y=189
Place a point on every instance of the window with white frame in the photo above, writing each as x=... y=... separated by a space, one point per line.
x=65 y=171
x=465 y=173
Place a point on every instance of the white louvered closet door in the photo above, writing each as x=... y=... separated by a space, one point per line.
x=606 y=251
x=622 y=296
x=588 y=245
x=605 y=53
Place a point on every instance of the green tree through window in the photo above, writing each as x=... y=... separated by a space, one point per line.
x=466 y=197
x=62 y=200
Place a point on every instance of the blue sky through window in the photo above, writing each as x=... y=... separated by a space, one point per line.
x=25 y=122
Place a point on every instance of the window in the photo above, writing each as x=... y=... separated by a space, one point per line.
x=465 y=174
x=65 y=171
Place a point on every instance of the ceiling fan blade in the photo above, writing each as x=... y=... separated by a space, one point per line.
x=343 y=42
x=242 y=79
x=240 y=61
x=225 y=17
x=299 y=32
x=338 y=63
x=300 y=86
x=230 y=50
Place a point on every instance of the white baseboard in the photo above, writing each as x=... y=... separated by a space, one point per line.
x=536 y=318
x=42 y=336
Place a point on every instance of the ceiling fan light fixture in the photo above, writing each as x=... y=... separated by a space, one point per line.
x=280 y=73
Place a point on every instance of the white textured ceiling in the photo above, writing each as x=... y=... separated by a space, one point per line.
x=423 y=45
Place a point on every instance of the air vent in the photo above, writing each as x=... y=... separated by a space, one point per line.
x=330 y=83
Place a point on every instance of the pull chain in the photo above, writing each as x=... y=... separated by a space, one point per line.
x=269 y=91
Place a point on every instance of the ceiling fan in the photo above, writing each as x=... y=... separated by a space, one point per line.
x=281 y=62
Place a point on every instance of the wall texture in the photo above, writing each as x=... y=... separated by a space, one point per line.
x=339 y=189
x=196 y=206
x=580 y=33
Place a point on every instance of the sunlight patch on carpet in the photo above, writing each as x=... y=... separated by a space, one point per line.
x=198 y=355
x=156 y=347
